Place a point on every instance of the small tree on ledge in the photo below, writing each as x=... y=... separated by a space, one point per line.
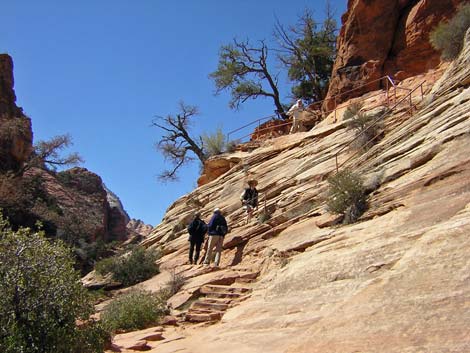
x=243 y=70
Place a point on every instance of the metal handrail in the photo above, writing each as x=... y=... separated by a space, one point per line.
x=249 y=124
x=266 y=128
x=408 y=96
x=388 y=79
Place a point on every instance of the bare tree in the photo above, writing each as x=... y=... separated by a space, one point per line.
x=243 y=69
x=47 y=154
x=176 y=143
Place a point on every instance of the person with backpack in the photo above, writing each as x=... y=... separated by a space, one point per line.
x=196 y=229
x=217 y=229
x=249 y=199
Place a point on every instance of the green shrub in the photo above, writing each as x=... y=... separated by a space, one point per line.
x=346 y=195
x=41 y=297
x=131 y=268
x=134 y=310
x=214 y=143
x=448 y=36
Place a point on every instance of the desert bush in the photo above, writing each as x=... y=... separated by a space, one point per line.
x=41 y=297
x=174 y=284
x=367 y=128
x=346 y=195
x=214 y=143
x=130 y=268
x=231 y=146
x=448 y=37
x=264 y=216
x=134 y=310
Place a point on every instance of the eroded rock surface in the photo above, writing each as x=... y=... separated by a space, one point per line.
x=386 y=37
x=396 y=281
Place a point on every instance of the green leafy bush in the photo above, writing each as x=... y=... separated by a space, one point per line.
x=346 y=195
x=134 y=310
x=214 y=143
x=41 y=297
x=448 y=36
x=131 y=268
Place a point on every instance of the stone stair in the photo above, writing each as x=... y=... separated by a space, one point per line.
x=215 y=301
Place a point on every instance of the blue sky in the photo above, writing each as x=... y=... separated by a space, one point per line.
x=101 y=70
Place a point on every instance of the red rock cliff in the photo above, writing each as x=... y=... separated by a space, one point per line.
x=15 y=128
x=385 y=37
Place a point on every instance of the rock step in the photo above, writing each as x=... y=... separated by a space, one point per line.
x=245 y=280
x=216 y=300
x=214 y=288
x=222 y=295
x=203 y=317
x=209 y=306
x=204 y=311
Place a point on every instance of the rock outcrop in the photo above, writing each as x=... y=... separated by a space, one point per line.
x=71 y=204
x=386 y=37
x=396 y=281
x=139 y=227
x=15 y=128
x=81 y=192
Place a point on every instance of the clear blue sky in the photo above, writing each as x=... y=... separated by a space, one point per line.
x=101 y=70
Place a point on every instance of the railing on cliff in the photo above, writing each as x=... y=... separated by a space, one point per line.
x=407 y=98
x=390 y=92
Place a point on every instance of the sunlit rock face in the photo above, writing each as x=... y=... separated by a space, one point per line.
x=396 y=281
x=384 y=37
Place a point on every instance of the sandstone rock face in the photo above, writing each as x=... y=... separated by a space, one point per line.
x=81 y=192
x=15 y=128
x=396 y=281
x=115 y=202
x=139 y=227
x=386 y=37
x=215 y=167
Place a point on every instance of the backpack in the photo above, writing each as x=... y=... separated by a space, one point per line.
x=221 y=229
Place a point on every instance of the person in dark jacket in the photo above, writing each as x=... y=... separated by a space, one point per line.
x=196 y=229
x=217 y=228
x=249 y=199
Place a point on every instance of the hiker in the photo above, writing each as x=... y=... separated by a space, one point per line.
x=249 y=199
x=295 y=111
x=196 y=229
x=217 y=228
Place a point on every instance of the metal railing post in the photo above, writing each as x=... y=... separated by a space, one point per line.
x=386 y=92
x=335 y=109
x=411 y=105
